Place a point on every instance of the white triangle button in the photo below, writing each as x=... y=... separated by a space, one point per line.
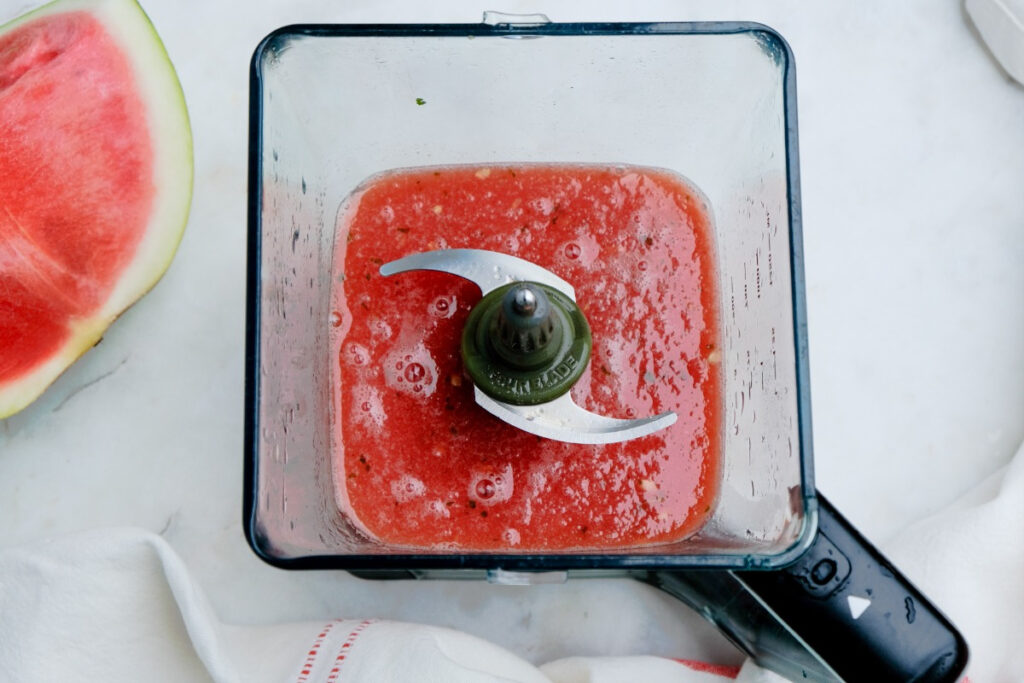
x=857 y=605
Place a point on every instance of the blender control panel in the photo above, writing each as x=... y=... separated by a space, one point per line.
x=857 y=612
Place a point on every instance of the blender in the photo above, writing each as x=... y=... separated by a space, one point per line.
x=772 y=564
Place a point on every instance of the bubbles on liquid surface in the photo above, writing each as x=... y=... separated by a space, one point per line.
x=438 y=508
x=582 y=249
x=335 y=319
x=510 y=536
x=544 y=205
x=442 y=306
x=407 y=488
x=413 y=371
x=490 y=486
x=381 y=329
x=367 y=407
x=485 y=489
x=355 y=354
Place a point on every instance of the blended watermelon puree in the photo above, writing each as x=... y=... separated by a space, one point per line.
x=418 y=464
x=70 y=220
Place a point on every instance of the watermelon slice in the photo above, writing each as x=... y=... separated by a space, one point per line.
x=95 y=181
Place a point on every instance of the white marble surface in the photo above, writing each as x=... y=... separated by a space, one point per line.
x=912 y=155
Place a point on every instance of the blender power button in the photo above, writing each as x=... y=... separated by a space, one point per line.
x=823 y=572
x=822 y=569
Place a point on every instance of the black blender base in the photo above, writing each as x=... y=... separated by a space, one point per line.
x=841 y=612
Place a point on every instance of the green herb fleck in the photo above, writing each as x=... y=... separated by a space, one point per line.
x=420 y=101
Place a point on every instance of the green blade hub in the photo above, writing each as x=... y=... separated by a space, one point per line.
x=526 y=343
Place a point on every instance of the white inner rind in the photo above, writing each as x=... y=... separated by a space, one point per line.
x=171 y=137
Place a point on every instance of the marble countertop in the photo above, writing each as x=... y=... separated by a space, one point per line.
x=912 y=162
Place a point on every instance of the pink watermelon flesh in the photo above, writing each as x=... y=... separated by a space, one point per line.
x=72 y=218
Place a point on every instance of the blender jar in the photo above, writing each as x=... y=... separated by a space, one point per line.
x=712 y=103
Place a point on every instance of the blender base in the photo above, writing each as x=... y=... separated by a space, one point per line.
x=849 y=605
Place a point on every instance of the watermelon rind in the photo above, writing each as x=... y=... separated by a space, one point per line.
x=171 y=139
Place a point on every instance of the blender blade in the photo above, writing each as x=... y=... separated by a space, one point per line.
x=563 y=420
x=560 y=418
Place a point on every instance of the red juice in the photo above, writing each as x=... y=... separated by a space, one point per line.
x=418 y=464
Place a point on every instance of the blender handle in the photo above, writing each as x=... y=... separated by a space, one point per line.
x=841 y=611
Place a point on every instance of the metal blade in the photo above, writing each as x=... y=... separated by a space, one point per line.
x=560 y=419
x=487 y=269
x=563 y=420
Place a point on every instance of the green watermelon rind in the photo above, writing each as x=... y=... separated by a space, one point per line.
x=171 y=138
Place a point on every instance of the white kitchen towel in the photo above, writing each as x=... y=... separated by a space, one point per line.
x=969 y=559
x=119 y=605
